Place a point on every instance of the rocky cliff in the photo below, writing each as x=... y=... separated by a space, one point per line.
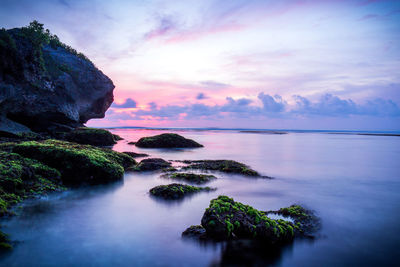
x=45 y=85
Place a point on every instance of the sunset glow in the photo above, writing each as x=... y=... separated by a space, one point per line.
x=258 y=64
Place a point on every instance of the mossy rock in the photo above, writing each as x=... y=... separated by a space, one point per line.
x=77 y=163
x=176 y=191
x=226 y=219
x=167 y=140
x=23 y=177
x=4 y=242
x=190 y=177
x=91 y=136
x=135 y=155
x=151 y=164
x=228 y=166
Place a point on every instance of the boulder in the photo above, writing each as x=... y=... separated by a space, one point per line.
x=90 y=136
x=176 y=191
x=167 y=140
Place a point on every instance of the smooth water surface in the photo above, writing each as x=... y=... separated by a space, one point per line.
x=351 y=181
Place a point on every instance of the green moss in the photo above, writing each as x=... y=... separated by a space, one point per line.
x=22 y=177
x=91 y=163
x=176 y=191
x=224 y=210
x=4 y=242
x=295 y=211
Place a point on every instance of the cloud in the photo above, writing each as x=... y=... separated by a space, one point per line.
x=166 y=25
x=201 y=96
x=333 y=106
x=272 y=104
x=129 y=103
x=327 y=105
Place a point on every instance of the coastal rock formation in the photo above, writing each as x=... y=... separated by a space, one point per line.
x=226 y=219
x=46 y=85
x=167 y=140
x=176 y=191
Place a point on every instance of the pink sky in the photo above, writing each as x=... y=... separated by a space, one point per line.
x=244 y=64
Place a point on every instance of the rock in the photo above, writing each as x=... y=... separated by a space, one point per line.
x=45 y=85
x=167 y=140
x=226 y=219
x=190 y=177
x=77 y=163
x=228 y=166
x=5 y=243
x=131 y=143
x=151 y=164
x=195 y=231
x=305 y=221
x=176 y=191
x=135 y=155
x=90 y=136
x=23 y=177
x=117 y=137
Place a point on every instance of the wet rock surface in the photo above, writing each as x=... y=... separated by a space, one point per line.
x=226 y=219
x=176 y=191
x=151 y=164
x=227 y=166
x=190 y=177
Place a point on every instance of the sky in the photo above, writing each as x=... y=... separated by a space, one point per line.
x=297 y=64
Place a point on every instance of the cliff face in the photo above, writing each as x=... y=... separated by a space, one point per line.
x=47 y=86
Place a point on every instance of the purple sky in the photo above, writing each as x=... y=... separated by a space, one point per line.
x=246 y=64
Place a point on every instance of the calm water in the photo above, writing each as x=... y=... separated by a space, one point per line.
x=351 y=181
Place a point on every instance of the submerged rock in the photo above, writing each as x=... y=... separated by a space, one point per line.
x=191 y=177
x=226 y=219
x=135 y=155
x=176 y=191
x=167 y=140
x=91 y=136
x=228 y=166
x=77 y=163
x=47 y=86
x=151 y=164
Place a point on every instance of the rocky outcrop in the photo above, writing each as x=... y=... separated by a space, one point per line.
x=45 y=85
x=167 y=140
x=227 y=219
